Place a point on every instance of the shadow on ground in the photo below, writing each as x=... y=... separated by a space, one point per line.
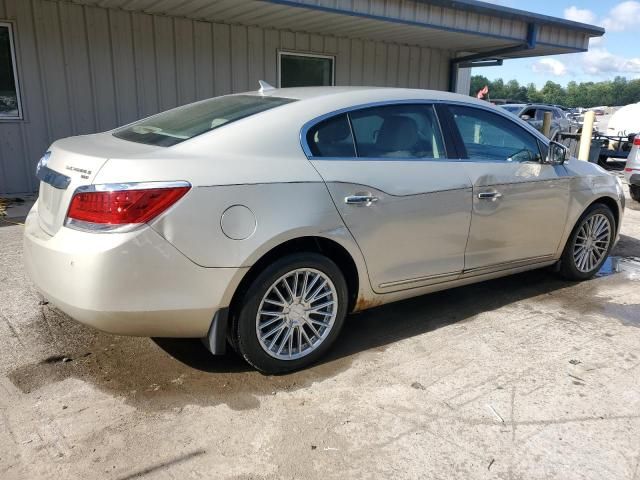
x=171 y=373
x=157 y=374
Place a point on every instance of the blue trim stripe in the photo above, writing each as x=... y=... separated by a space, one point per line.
x=508 y=12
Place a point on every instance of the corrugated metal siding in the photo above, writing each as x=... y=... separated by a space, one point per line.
x=411 y=22
x=84 y=69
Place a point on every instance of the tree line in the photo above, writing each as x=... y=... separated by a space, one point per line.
x=619 y=91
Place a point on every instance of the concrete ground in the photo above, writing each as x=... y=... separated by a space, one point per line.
x=526 y=377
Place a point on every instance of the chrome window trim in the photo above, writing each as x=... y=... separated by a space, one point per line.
x=313 y=122
x=113 y=187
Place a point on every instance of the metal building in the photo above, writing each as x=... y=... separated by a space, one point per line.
x=71 y=67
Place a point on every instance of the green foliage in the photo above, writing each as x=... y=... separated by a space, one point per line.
x=620 y=91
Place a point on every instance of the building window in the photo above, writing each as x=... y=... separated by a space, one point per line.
x=10 y=108
x=305 y=70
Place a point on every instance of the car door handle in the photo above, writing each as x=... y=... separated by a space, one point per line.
x=365 y=200
x=489 y=195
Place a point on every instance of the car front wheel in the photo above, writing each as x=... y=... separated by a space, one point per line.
x=589 y=244
x=291 y=313
x=634 y=190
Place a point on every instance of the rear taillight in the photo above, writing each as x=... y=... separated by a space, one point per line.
x=121 y=207
x=636 y=140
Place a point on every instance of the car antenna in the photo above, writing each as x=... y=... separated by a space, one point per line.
x=265 y=87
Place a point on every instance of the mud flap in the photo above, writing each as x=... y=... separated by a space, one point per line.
x=216 y=339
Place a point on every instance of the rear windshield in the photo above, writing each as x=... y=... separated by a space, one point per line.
x=182 y=123
x=512 y=108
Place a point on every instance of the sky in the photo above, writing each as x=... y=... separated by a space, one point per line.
x=616 y=53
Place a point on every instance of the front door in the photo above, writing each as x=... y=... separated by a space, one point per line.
x=520 y=204
x=406 y=205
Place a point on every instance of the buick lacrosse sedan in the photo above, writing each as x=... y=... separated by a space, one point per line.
x=262 y=219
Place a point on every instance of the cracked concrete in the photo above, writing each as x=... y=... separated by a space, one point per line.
x=526 y=377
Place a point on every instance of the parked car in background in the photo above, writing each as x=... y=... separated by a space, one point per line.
x=625 y=121
x=500 y=101
x=632 y=169
x=534 y=115
x=265 y=217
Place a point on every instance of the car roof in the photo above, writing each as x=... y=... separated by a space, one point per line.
x=374 y=93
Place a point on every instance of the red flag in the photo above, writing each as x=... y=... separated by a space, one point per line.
x=482 y=92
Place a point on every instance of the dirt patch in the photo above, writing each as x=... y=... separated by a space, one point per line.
x=154 y=374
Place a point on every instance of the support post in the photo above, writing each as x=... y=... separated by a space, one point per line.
x=585 y=137
x=546 y=124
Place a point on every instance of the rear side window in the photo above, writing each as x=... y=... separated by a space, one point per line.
x=332 y=138
x=390 y=131
x=400 y=131
x=174 y=126
x=489 y=136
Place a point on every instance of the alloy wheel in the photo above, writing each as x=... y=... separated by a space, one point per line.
x=296 y=314
x=592 y=242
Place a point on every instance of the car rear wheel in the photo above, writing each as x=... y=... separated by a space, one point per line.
x=589 y=244
x=291 y=313
x=634 y=190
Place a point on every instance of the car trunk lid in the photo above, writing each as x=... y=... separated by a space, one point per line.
x=71 y=163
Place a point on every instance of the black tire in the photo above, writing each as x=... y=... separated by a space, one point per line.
x=634 y=190
x=243 y=326
x=568 y=267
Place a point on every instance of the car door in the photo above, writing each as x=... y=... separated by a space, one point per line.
x=406 y=204
x=520 y=204
x=561 y=120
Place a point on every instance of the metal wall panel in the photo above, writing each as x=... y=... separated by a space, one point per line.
x=84 y=68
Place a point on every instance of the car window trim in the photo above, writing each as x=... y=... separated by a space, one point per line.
x=453 y=139
x=348 y=110
x=465 y=156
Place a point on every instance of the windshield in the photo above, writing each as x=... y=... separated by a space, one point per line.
x=174 y=126
x=512 y=108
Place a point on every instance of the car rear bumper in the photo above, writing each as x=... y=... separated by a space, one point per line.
x=132 y=283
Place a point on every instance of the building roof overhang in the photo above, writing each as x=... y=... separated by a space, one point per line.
x=467 y=27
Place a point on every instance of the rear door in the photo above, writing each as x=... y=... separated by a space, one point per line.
x=405 y=202
x=520 y=204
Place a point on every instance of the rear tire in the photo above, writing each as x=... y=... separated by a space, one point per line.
x=634 y=190
x=589 y=244
x=284 y=321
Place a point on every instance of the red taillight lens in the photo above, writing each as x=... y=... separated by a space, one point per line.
x=122 y=207
x=636 y=140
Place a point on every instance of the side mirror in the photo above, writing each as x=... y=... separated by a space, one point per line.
x=557 y=154
x=525 y=117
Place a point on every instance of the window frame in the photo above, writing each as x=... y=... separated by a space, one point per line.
x=14 y=59
x=462 y=149
x=449 y=147
x=306 y=55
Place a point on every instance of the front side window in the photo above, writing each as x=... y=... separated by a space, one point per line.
x=10 y=107
x=305 y=70
x=489 y=136
x=174 y=126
